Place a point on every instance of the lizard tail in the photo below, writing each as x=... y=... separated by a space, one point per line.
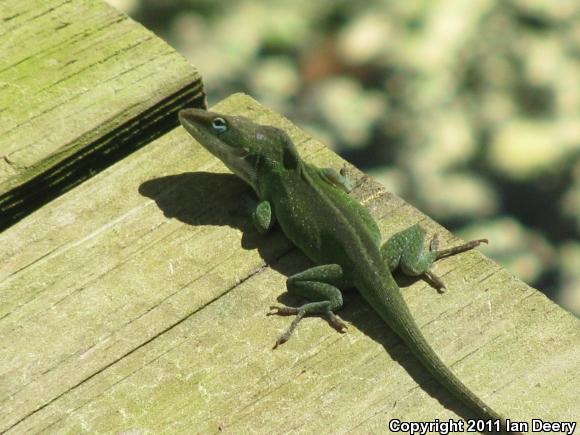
x=392 y=308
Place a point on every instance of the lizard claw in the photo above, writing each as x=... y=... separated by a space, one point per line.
x=281 y=340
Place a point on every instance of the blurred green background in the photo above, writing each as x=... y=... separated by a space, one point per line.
x=468 y=109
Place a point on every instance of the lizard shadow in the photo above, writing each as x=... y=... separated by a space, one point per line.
x=202 y=198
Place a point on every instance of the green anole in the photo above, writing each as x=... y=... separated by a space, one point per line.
x=314 y=210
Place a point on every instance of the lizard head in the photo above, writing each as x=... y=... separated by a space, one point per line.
x=244 y=146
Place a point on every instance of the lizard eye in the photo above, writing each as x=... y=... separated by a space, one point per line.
x=219 y=125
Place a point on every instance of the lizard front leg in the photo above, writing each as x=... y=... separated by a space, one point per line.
x=261 y=213
x=319 y=286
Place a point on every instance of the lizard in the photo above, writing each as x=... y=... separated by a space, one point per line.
x=313 y=208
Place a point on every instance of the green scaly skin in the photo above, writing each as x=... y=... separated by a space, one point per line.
x=335 y=231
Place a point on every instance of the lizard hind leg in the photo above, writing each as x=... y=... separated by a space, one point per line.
x=318 y=285
x=405 y=250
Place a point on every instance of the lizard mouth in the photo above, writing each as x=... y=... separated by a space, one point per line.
x=195 y=121
x=201 y=125
x=198 y=124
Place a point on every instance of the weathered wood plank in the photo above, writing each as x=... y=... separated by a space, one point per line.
x=137 y=301
x=81 y=85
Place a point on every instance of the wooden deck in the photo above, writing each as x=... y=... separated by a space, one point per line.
x=81 y=86
x=136 y=301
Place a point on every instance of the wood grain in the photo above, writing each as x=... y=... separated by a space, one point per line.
x=136 y=303
x=81 y=85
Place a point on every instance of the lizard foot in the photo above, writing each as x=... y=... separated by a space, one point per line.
x=461 y=248
x=287 y=311
x=336 y=322
x=282 y=310
x=436 y=281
